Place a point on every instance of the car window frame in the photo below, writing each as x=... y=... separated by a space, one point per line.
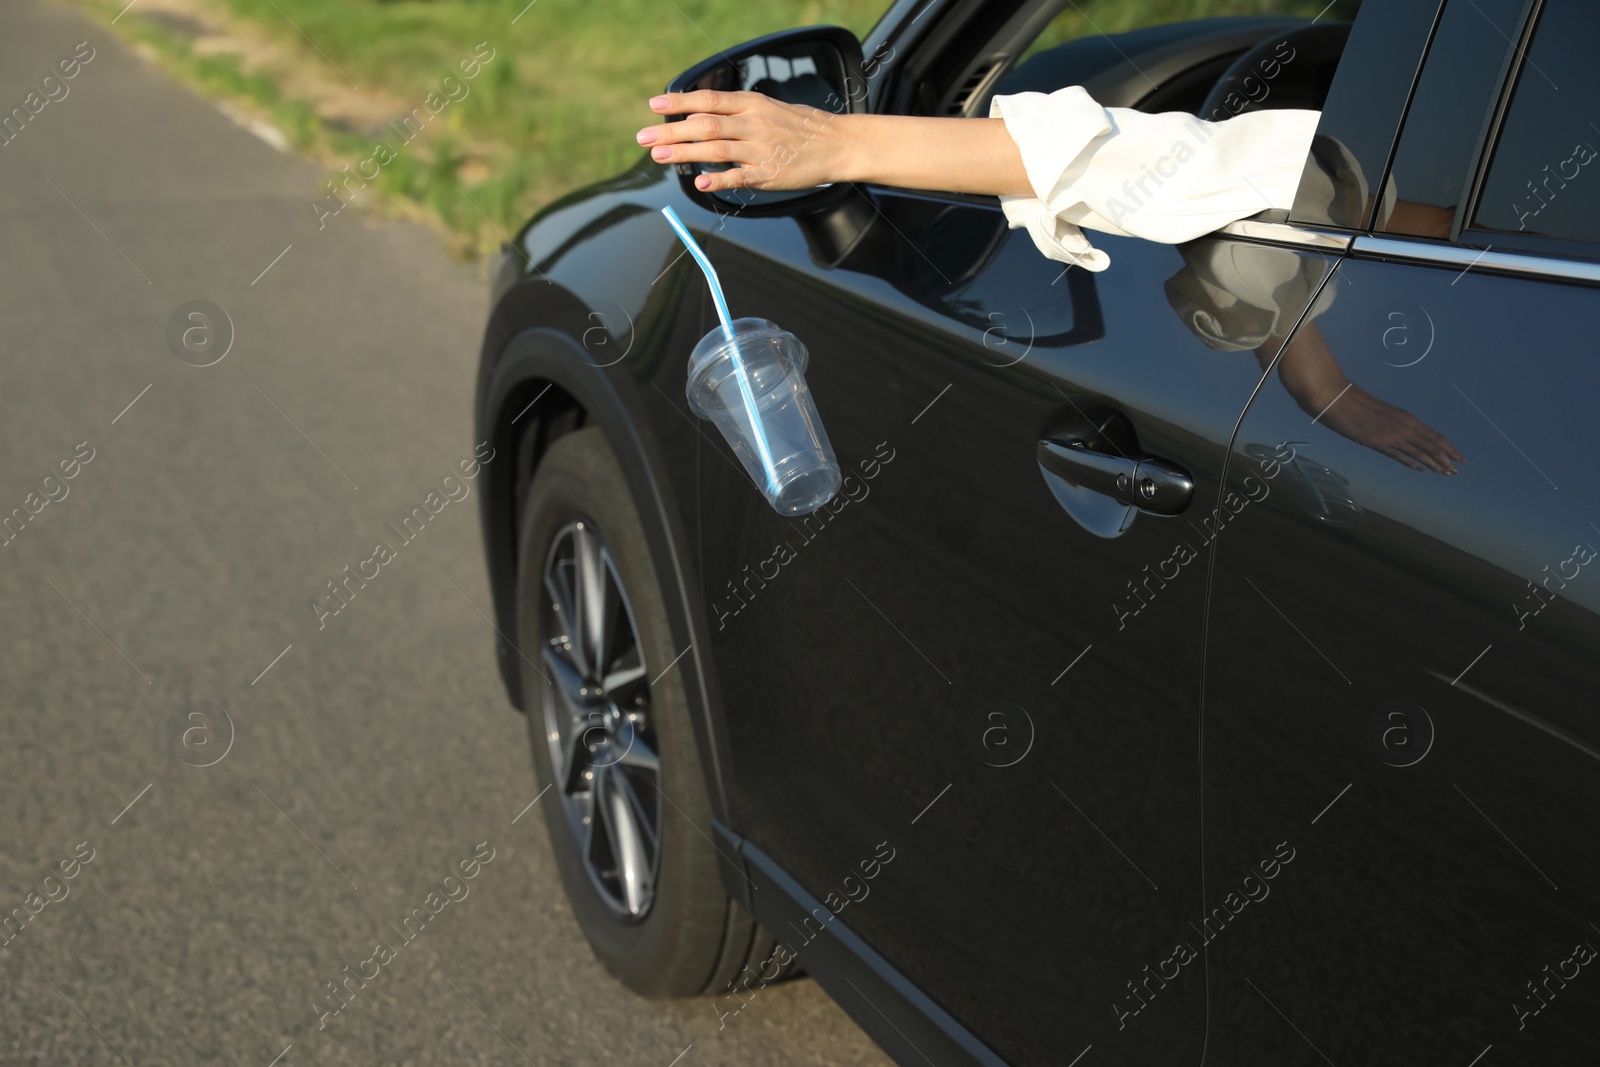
x=1340 y=114
x=907 y=49
x=1462 y=231
x=910 y=44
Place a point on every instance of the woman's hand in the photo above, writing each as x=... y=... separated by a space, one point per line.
x=1393 y=431
x=777 y=145
x=1312 y=376
x=794 y=146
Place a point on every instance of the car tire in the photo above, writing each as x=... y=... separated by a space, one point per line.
x=681 y=934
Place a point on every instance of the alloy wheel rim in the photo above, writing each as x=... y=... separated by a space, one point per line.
x=597 y=718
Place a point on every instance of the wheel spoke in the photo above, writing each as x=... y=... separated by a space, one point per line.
x=579 y=757
x=622 y=675
x=568 y=678
x=594 y=594
x=583 y=805
x=644 y=817
x=599 y=827
x=628 y=845
x=558 y=587
x=639 y=756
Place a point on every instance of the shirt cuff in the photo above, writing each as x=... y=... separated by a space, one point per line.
x=1051 y=130
x=1056 y=239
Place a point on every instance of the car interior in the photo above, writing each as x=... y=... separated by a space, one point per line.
x=1214 y=67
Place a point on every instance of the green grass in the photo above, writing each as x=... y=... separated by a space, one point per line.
x=556 y=108
x=558 y=105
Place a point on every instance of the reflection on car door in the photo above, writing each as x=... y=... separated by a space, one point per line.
x=966 y=655
x=1400 y=691
x=1402 y=664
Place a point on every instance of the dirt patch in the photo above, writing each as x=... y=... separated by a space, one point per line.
x=335 y=97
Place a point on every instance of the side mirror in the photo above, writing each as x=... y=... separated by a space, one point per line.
x=816 y=65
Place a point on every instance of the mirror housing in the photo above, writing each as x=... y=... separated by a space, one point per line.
x=816 y=65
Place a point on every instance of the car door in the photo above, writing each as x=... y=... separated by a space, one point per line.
x=1401 y=754
x=967 y=661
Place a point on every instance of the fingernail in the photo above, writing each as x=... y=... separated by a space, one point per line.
x=658 y=102
x=661 y=153
x=703 y=182
x=646 y=136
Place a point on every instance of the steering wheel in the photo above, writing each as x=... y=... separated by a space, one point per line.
x=1285 y=70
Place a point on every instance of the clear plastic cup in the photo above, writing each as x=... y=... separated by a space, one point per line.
x=766 y=412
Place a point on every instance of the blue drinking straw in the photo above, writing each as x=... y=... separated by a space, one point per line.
x=721 y=303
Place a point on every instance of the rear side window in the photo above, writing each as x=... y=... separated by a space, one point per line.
x=1469 y=57
x=1544 y=175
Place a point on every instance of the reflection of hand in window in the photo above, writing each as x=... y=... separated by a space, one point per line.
x=1312 y=376
x=1235 y=295
x=1396 y=433
x=1419 y=220
x=1334 y=190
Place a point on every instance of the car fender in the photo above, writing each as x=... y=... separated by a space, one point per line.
x=548 y=355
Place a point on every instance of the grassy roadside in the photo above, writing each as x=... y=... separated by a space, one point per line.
x=553 y=106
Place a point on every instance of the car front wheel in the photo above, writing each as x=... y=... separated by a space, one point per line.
x=628 y=811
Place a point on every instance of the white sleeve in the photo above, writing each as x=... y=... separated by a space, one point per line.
x=1169 y=177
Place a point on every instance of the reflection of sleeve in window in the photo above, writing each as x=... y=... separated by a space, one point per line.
x=1333 y=187
x=1169 y=177
x=1234 y=295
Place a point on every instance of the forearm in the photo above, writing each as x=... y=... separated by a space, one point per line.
x=1309 y=372
x=957 y=155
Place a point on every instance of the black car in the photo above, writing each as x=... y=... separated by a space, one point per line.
x=1193 y=666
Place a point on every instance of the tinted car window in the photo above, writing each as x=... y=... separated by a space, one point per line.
x=1442 y=128
x=1362 y=112
x=1543 y=178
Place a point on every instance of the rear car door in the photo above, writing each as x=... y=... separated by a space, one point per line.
x=966 y=661
x=1399 y=717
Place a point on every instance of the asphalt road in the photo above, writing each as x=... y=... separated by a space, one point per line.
x=157 y=616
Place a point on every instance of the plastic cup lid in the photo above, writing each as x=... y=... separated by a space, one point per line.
x=713 y=349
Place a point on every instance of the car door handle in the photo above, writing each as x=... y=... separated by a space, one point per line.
x=1146 y=483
